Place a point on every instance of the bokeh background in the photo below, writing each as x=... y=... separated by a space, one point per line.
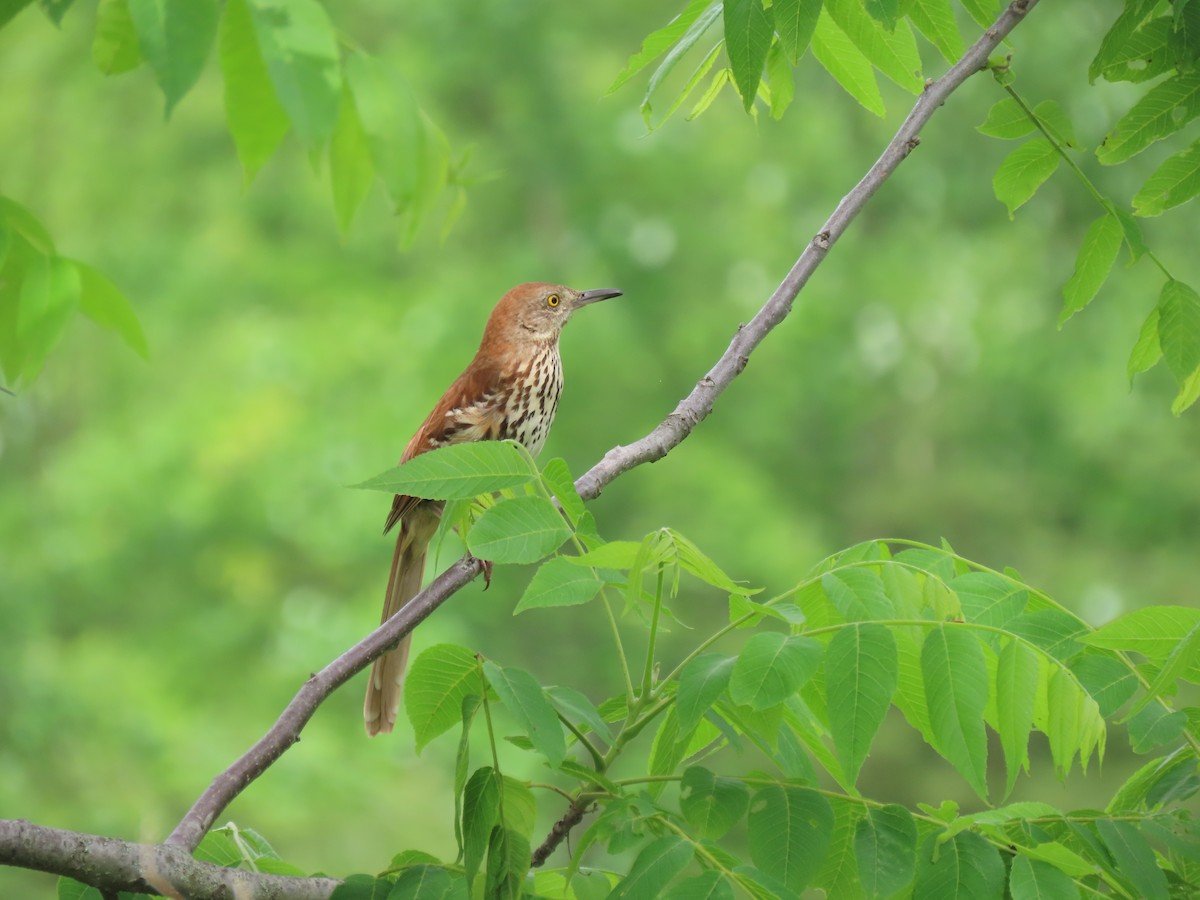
x=178 y=548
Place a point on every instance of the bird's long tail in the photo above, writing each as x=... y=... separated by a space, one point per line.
x=404 y=583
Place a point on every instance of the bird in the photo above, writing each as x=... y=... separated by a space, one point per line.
x=509 y=391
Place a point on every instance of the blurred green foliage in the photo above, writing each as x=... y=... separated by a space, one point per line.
x=180 y=550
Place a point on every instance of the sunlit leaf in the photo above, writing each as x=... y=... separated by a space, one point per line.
x=771 y=667
x=657 y=42
x=256 y=119
x=102 y=302
x=893 y=53
x=558 y=582
x=1017 y=673
x=1147 y=351
x=935 y=20
x=846 y=63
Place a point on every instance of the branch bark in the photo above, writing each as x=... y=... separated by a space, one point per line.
x=109 y=863
x=113 y=865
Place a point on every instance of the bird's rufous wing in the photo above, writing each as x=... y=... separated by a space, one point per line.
x=470 y=410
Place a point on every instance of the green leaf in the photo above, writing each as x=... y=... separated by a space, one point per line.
x=857 y=593
x=1154 y=726
x=860 y=679
x=748 y=33
x=779 y=75
x=102 y=302
x=709 y=886
x=9 y=8
x=218 y=848
x=693 y=34
x=1144 y=55
x=988 y=598
x=1031 y=879
x=657 y=42
x=711 y=804
x=299 y=46
x=70 y=889
x=1023 y=172
x=481 y=812
x=1052 y=630
x=966 y=866
x=1007 y=120
x=1018 y=671
x=1155 y=783
x=894 y=54
x=581 y=708
x=656 y=864
x=700 y=683
x=795 y=21
x=436 y=685
x=1179 y=328
x=175 y=37
x=1134 y=858
x=885 y=12
x=520 y=530
x=1106 y=678
x=984 y=12
x=1096 y=257
x=115 y=44
x=719 y=80
x=49 y=295
x=789 y=832
x=507 y=862
x=935 y=20
x=423 y=882
x=351 y=170
x=846 y=63
x=27 y=225
x=885 y=843
x=462 y=762
x=613 y=555
x=772 y=667
x=1153 y=631
x=1146 y=352
x=557 y=478
x=1164 y=110
x=525 y=699
x=1119 y=35
x=558 y=582
x=1072 y=722
x=458 y=471
x=1184 y=657
x=1189 y=393
x=692 y=560
x=956 y=690
x=839 y=874
x=256 y=119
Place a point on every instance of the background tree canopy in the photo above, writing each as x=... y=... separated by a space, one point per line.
x=180 y=549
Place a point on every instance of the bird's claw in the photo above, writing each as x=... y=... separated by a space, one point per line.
x=487 y=572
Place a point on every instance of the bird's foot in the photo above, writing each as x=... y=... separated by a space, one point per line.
x=487 y=572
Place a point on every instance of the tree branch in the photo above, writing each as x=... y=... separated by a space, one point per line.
x=113 y=865
x=109 y=863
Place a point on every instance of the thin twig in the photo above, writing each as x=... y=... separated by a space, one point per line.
x=654 y=446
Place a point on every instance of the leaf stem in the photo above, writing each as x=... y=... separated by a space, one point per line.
x=648 y=675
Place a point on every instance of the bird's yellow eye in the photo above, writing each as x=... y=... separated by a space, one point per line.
x=552 y=299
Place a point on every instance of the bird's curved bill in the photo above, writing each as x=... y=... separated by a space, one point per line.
x=594 y=296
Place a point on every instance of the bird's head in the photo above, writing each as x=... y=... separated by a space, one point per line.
x=538 y=312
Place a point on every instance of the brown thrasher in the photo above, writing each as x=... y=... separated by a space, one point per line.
x=508 y=392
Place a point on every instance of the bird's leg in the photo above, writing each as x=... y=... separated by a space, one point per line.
x=487 y=573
